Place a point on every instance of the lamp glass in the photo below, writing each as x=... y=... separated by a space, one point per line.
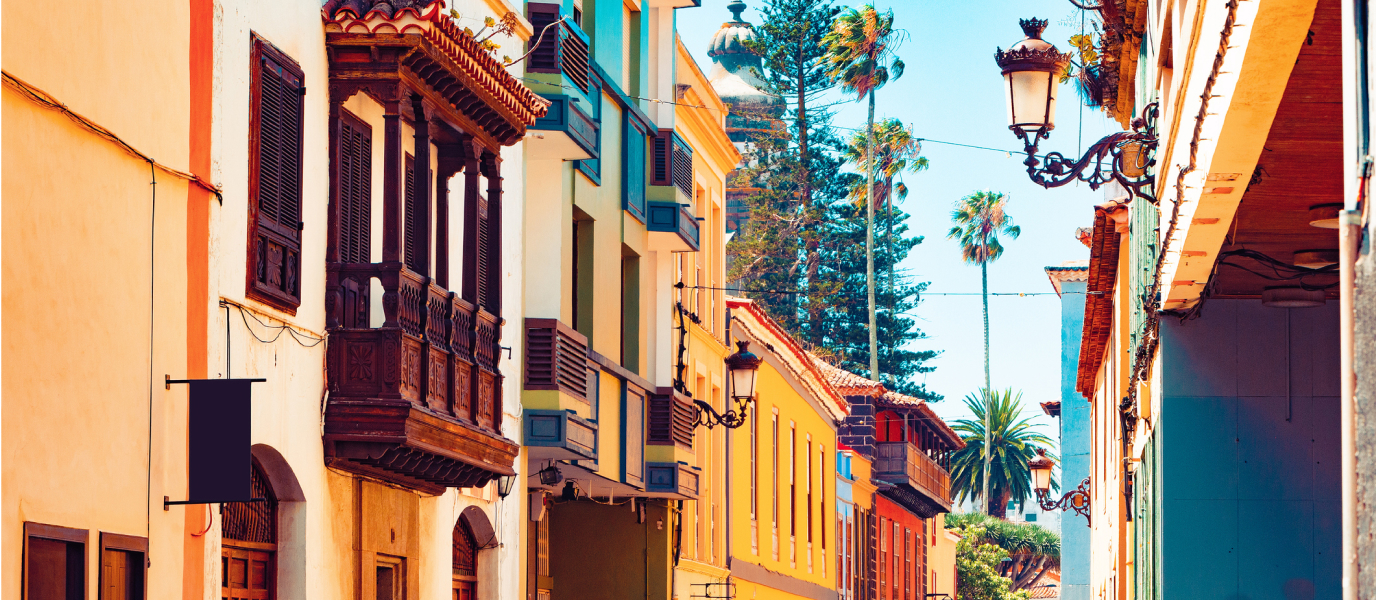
x=1031 y=99
x=743 y=383
x=1041 y=478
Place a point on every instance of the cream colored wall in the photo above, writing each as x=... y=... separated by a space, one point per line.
x=287 y=410
x=76 y=300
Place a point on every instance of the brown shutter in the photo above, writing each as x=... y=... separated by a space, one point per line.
x=355 y=189
x=660 y=174
x=277 y=107
x=411 y=213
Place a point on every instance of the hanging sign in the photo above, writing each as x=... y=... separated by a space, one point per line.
x=219 y=460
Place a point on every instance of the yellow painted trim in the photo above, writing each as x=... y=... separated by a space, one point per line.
x=702 y=568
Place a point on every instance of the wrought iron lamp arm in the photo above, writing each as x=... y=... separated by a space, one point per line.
x=1102 y=163
x=731 y=419
x=1076 y=500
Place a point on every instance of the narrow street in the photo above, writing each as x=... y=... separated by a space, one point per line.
x=687 y=299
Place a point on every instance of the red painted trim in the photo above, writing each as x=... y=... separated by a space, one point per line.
x=201 y=64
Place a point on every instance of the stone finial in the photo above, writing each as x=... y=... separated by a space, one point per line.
x=736 y=7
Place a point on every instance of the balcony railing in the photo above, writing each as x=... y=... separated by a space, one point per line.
x=904 y=464
x=416 y=400
x=672 y=227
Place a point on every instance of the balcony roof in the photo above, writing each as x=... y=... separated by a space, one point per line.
x=440 y=54
x=850 y=384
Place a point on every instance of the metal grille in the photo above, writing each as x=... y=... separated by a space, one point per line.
x=465 y=550
x=252 y=521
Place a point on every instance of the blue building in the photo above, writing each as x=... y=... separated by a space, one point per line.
x=1069 y=279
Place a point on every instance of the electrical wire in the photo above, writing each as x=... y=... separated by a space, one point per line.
x=152 y=300
x=919 y=294
x=296 y=336
x=47 y=100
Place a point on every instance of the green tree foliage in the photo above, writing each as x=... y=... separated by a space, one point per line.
x=797 y=173
x=1014 y=442
x=847 y=332
x=862 y=53
x=804 y=235
x=977 y=569
x=1032 y=549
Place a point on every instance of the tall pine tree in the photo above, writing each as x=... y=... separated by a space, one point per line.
x=801 y=253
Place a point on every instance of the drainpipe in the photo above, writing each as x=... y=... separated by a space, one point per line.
x=1356 y=170
x=1349 y=223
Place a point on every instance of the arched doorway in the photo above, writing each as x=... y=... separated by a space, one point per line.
x=465 y=561
x=248 y=554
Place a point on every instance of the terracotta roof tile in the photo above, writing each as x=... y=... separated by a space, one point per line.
x=1103 y=277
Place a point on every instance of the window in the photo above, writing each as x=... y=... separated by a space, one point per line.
x=634 y=174
x=792 y=479
x=390 y=582
x=54 y=562
x=276 y=108
x=630 y=310
x=907 y=563
x=883 y=556
x=897 y=558
x=822 y=487
x=354 y=172
x=809 y=488
x=248 y=552
x=123 y=567
x=754 y=484
x=774 y=474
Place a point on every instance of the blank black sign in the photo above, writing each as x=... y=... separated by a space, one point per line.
x=219 y=463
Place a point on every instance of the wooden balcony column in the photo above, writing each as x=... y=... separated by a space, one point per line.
x=393 y=197
x=492 y=168
x=421 y=210
x=472 y=213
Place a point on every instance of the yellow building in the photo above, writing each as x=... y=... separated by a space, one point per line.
x=701 y=330
x=782 y=541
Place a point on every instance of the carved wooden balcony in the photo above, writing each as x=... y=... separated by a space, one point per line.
x=417 y=400
x=921 y=483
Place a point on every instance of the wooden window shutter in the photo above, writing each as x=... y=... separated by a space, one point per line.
x=54 y=562
x=354 y=174
x=412 y=212
x=276 y=115
x=663 y=150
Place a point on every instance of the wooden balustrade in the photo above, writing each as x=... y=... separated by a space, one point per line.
x=433 y=351
x=903 y=463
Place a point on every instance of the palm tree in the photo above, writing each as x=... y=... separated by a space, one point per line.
x=896 y=152
x=861 y=55
x=1013 y=443
x=979 y=219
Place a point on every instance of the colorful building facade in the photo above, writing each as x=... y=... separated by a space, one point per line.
x=1216 y=405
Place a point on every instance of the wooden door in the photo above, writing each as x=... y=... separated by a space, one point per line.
x=246 y=574
x=465 y=590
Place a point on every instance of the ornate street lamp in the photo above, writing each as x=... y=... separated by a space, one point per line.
x=504 y=485
x=1032 y=73
x=742 y=367
x=1076 y=499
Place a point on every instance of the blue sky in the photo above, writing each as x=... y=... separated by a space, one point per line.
x=952 y=92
